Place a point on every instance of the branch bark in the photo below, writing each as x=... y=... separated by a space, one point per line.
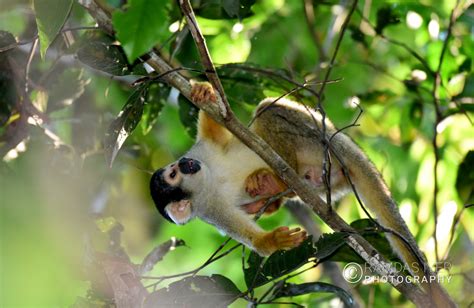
x=224 y=115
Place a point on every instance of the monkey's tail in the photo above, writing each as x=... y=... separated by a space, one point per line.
x=375 y=195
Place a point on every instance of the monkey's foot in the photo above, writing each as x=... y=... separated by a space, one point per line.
x=280 y=238
x=263 y=182
x=202 y=92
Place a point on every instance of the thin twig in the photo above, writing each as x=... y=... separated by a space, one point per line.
x=439 y=118
x=194 y=271
x=310 y=21
x=398 y=43
x=204 y=54
x=28 y=63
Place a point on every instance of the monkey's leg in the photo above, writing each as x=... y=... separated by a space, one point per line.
x=265 y=184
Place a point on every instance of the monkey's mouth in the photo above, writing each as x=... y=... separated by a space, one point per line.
x=189 y=165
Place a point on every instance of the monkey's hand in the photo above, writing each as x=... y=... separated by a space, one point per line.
x=280 y=238
x=202 y=92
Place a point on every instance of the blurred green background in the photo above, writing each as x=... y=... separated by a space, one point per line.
x=59 y=198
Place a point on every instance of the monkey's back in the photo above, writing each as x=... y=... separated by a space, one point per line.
x=287 y=126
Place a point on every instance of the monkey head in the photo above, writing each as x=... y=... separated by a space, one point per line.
x=172 y=189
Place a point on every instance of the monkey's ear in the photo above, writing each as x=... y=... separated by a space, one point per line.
x=211 y=131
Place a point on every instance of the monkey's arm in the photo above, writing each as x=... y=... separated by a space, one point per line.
x=239 y=225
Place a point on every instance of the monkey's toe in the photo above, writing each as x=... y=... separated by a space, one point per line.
x=202 y=92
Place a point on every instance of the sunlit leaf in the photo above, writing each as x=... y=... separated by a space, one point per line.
x=291 y=289
x=278 y=264
x=50 y=18
x=124 y=124
x=143 y=25
x=197 y=291
x=456 y=84
x=104 y=57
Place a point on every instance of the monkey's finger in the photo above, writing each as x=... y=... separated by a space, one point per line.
x=281 y=229
x=293 y=240
x=290 y=231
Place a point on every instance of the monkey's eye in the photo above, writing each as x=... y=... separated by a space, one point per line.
x=173 y=174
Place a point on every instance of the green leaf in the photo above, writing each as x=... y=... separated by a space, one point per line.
x=104 y=57
x=188 y=114
x=198 y=291
x=68 y=86
x=456 y=84
x=245 y=83
x=366 y=228
x=141 y=26
x=50 y=18
x=291 y=289
x=124 y=124
x=156 y=98
x=328 y=243
x=278 y=264
x=465 y=179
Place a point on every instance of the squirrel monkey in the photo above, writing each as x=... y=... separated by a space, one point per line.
x=223 y=182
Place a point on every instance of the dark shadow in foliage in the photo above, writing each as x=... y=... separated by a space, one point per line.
x=8 y=93
x=465 y=179
x=218 y=9
x=386 y=16
x=66 y=87
x=198 y=291
x=188 y=114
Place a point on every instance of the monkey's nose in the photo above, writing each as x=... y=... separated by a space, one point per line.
x=189 y=165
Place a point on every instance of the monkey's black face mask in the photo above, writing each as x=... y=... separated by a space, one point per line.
x=189 y=165
x=163 y=193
